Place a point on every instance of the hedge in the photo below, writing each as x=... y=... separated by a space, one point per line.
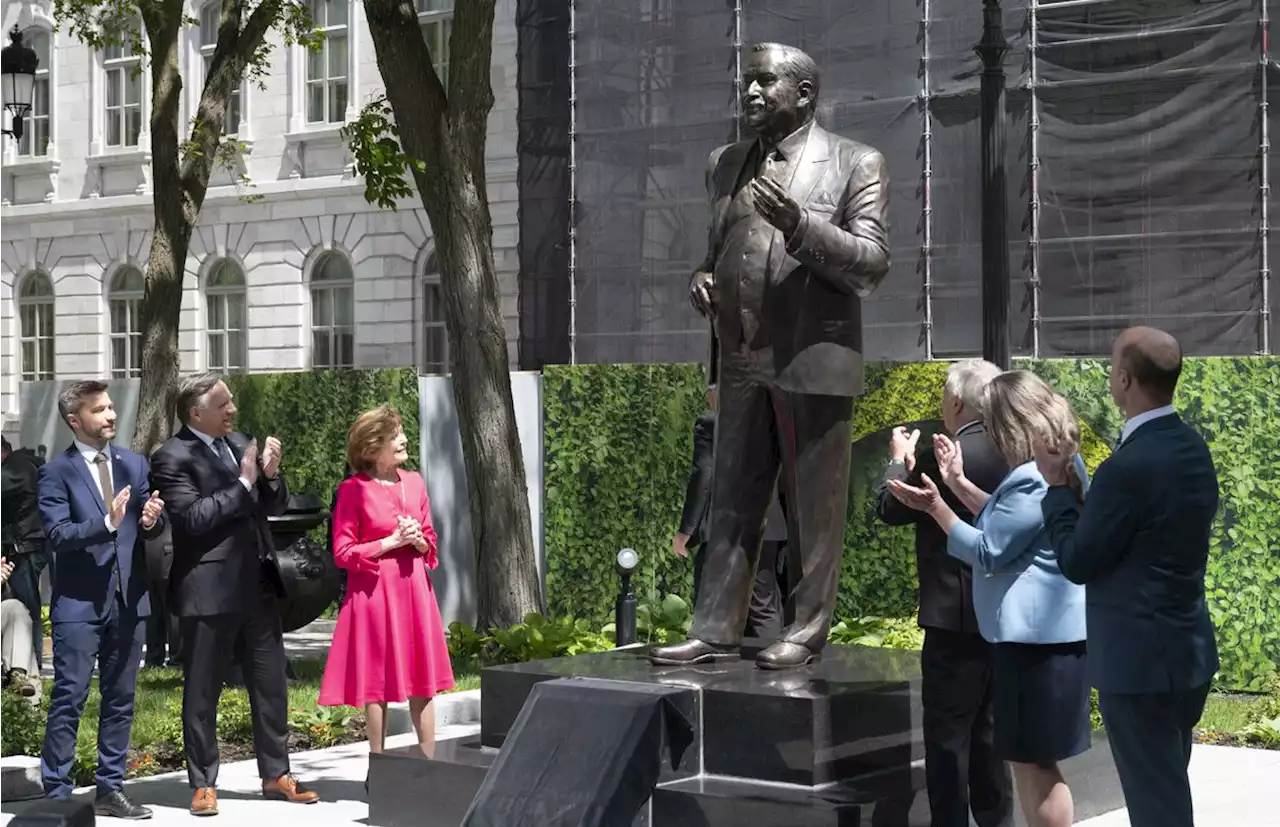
x=310 y=414
x=619 y=440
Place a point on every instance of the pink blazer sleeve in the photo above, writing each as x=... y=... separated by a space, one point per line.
x=348 y=552
x=428 y=530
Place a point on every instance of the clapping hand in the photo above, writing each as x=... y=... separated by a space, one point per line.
x=950 y=460
x=120 y=505
x=271 y=454
x=925 y=498
x=1054 y=464
x=152 y=509
x=249 y=462
x=413 y=533
x=902 y=447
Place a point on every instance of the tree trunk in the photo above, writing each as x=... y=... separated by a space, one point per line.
x=448 y=133
x=173 y=221
x=179 y=183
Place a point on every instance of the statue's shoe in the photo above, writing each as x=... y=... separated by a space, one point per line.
x=690 y=651
x=785 y=655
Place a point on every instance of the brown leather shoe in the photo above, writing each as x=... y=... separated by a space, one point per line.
x=287 y=788
x=204 y=802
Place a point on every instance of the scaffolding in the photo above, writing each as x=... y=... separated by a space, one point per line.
x=1144 y=194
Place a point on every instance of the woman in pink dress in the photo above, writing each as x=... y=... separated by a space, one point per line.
x=389 y=644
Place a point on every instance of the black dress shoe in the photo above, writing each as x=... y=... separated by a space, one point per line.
x=690 y=651
x=118 y=805
x=784 y=655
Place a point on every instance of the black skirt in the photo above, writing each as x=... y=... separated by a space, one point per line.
x=1041 y=702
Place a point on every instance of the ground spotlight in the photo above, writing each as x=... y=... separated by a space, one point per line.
x=624 y=610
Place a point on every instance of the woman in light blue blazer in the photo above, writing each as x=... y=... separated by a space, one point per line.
x=1025 y=606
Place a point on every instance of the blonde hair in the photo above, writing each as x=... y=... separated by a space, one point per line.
x=1021 y=408
x=371 y=431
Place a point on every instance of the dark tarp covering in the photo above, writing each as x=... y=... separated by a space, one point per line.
x=1141 y=118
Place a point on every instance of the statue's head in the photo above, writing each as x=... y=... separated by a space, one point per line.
x=779 y=89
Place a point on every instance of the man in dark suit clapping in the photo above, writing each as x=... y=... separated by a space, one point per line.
x=962 y=770
x=1140 y=542
x=96 y=513
x=225 y=582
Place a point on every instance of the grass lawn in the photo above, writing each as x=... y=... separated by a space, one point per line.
x=1230 y=713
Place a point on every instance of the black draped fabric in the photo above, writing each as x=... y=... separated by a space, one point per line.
x=555 y=772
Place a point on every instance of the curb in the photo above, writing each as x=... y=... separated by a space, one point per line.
x=452 y=708
x=20 y=778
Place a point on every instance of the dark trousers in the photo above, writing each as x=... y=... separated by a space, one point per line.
x=210 y=644
x=1150 y=736
x=164 y=635
x=764 y=615
x=962 y=771
x=24 y=585
x=115 y=644
x=760 y=430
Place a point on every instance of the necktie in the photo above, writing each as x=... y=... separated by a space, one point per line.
x=104 y=479
x=104 y=482
x=224 y=451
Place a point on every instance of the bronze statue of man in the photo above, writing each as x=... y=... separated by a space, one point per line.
x=799 y=234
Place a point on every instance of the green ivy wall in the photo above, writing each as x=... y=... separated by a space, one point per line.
x=618 y=448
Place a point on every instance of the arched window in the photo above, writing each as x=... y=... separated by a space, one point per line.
x=124 y=303
x=435 y=337
x=35 y=319
x=224 y=298
x=35 y=134
x=332 y=313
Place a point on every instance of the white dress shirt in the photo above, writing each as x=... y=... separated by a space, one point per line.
x=1142 y=419
x=90 y=454
x=209 y=440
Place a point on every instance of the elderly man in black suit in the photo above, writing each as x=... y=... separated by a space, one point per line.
x=798 y=236
x=225 y=582
x=962 y=771
x=1140 y=543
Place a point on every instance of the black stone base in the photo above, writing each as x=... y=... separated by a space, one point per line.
x=831 y=745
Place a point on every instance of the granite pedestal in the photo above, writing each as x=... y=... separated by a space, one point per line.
x=829 y=745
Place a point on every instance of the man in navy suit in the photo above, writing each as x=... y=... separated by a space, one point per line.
x=95 y=513
x=1140 y=543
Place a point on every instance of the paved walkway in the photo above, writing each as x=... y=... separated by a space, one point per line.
x=1233 y=788
x=337 y=774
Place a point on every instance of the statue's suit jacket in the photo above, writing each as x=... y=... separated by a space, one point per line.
x=811 y=313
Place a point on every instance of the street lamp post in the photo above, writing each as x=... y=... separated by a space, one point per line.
x=18 y=64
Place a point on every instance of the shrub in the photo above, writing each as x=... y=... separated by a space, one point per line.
x=22 y=732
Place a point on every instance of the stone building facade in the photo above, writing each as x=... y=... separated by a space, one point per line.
x=290 y=268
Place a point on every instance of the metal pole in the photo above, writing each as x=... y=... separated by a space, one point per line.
x=573 y=183
x=624 y=613
x=1033 y=242
x=1264 y=183
x=737 y=70
x=995 y=206
x=926 y=126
